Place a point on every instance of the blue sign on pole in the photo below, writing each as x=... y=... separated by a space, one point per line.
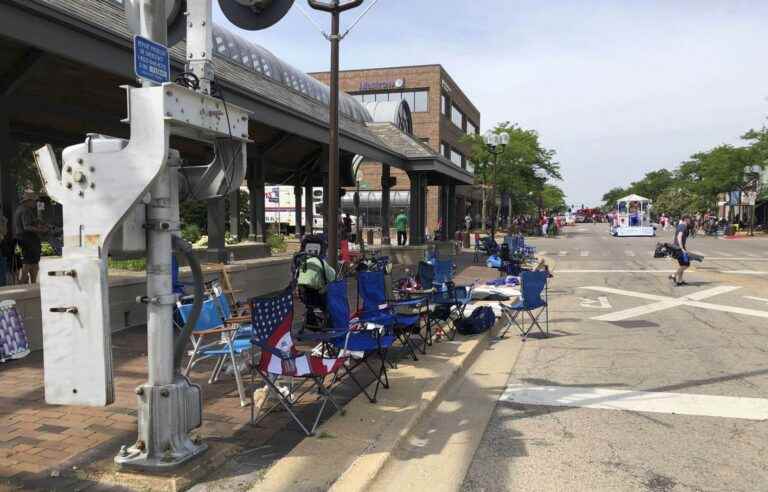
x=151 y=60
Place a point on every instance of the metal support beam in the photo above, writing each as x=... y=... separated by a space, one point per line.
x=450 y=220
x=309 y=205
x=257 y=217
x=297 y=206
x=20 y=71
x=216 y=225
x=7 y=180
x=385 y=175
x=418 y=209
x=234 y=214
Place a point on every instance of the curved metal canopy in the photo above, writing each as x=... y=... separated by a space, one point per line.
x=253 y=57
x=396 y=112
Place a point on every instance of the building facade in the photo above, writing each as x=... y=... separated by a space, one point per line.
x=441 y=114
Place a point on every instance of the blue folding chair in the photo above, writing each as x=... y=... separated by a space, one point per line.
x=358 y=338
x=532 y=286
x=447 y=301
x=226 y=345
x=371 y=288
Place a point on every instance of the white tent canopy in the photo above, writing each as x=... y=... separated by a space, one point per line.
x=633 y=198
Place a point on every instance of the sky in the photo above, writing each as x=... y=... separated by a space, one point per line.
x=617 y=88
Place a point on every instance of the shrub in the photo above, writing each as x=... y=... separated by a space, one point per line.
x=191 y=233
x=276 y=243
x=46 y=249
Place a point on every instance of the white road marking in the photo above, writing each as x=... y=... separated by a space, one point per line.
x=744 y=272
x=629 y=252
x=563 y=253
x=752 y=255
x=599 y=303
x=758 y=299
x=734 y=407
x=735 y=259
x=722 y=253
x=664 y=302
x=585 y=253
x=615 y=271
x=543 y=252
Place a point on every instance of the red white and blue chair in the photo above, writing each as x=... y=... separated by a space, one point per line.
x=272 y=319
x=534 y=301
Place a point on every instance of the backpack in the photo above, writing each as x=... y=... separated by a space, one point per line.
x=481 y=320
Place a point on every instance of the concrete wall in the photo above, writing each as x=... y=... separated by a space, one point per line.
x=254 y=277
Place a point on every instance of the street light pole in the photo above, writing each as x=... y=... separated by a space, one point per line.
x=335 y=8
x=495 y=143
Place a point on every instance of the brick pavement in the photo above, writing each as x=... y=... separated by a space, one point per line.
x=48 y=446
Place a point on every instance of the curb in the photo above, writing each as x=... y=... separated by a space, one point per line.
x=363 y=439
x=361 y=474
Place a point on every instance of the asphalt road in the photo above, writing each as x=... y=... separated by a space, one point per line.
x=708 y=338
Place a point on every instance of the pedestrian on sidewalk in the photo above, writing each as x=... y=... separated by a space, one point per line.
x=681 y=236
x=401 y=224
x=544 y=222
x=27 y=230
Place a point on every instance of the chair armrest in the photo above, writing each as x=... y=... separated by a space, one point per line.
x=238 y=320
x=212 y=331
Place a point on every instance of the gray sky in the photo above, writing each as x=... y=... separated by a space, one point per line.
x=617 y=88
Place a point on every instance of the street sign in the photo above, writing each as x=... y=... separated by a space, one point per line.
x=151 y=60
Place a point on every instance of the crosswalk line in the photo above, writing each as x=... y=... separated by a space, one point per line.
x=735 y=407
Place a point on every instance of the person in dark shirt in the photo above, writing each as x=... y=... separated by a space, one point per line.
x=681 y=237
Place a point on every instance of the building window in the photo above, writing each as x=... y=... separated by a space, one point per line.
x=471 y=128
x=418 y=100
x=444 y=104
x=445 y=151
x=457 y=117
x=421 y=102
x=470 y=167
x=456 y=157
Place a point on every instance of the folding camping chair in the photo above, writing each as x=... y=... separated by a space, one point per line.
x=532 y=285
x=378 y=309
x=448 y=301
x=225 y=346
x=272 y=318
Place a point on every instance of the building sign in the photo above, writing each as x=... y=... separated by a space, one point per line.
x=382 y=85
x=151 y=60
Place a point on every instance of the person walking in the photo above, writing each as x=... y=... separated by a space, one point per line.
x=27 y=232
x=401 y=224
x=681 y=236
x=544 y=223
x=468 y=222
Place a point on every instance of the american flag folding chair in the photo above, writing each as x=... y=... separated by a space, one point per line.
x=532 y=285
x=378 y=309
x=272 y=318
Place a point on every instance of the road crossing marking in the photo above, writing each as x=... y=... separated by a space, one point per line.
x=599 y=303
x=563 y=253
x=734 y=407
x=736 y=259
x=744 y=272
x=585 y=253
x=664 y=302
x=759 y=299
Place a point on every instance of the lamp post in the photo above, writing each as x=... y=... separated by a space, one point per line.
x=495 y=142
x=752 y=173
x=335 y=8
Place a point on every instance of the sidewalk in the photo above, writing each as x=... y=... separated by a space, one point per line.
x=71 y=448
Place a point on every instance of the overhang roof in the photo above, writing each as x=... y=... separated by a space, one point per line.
x=94 y=33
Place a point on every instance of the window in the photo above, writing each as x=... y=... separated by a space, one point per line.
x=445 y=150
x=471 y=128
x=444 y=104
x=418 y=100
x=456 y=116
x=470 y=167
x=421 y=102
x=456 y=157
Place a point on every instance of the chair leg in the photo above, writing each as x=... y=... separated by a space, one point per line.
x=238 y=378
x=281 y=400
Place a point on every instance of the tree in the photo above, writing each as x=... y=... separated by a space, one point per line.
x=553 y=198
x=611 y=196
x=520 y=169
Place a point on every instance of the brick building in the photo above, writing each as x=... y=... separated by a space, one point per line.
x=441 y=113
